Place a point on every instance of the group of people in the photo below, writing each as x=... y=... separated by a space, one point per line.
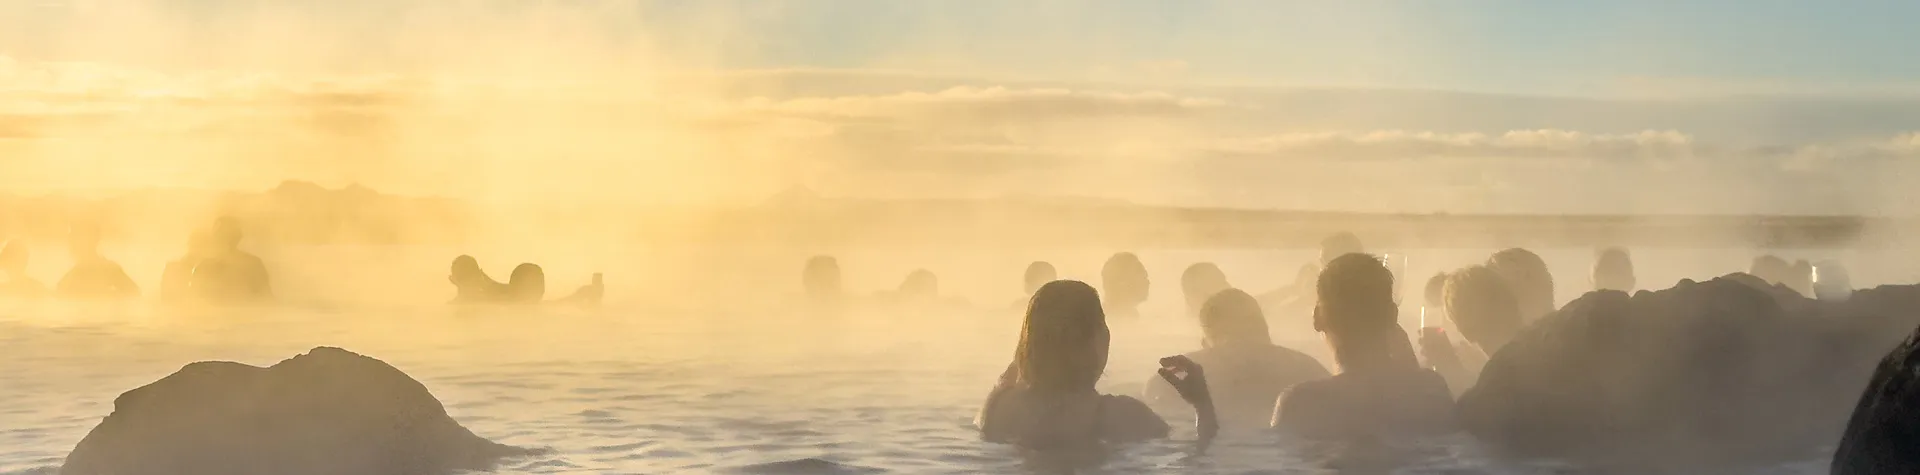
x=214 y=268
x=527 y=284
x=1385 y=383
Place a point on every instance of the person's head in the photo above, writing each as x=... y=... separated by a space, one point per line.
x=1039 y=273
x=1613 y=270
x=1800 y=277
x=1482 y=305
x=920 y=283
x=1199 y=283
x=1435 y=295
x=1527 y=276
x=1831 y=282
x=821 y=276
x=465 y=269
x=13 y=257
x=1770 y=268
x=83 y=242
x=1233 y=318
x=1125 y=280
x=1357 y=314
x=226 y=233
x=200 y=242
x=527 y=283
x=1063 y=342
x=1339 y=244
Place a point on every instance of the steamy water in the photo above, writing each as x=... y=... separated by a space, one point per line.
x=713 y=384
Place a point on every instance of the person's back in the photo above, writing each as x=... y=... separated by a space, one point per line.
x=1381 y=389
x=93 y=276
x=244 y=274
x=1246 y=372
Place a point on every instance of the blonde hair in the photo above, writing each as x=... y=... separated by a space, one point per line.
x=1063 y=340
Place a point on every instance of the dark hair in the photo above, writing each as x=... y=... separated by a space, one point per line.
x=1233 y=316
x=1357 y=312
x=1198 y=284
x=1039 y=273
x=821 y=276
x=1613 y=270
x=1436 y=291
x=1056 y=352
x=1480 y=302
x=1527 y=276
x=1125 y=280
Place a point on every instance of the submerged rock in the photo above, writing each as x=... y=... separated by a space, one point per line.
x=1885 y=427
x=329 y=411
x=1729 y=370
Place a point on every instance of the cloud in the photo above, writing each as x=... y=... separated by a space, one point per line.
x=987 y=103
x=1400 y=144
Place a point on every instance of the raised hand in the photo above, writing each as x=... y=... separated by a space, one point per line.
x=1190 y=380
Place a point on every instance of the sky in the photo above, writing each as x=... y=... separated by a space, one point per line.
x=1459 y=106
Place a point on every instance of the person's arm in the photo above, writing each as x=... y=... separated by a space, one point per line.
x=1190 y=380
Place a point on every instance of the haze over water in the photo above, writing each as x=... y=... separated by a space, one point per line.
x=623 y=136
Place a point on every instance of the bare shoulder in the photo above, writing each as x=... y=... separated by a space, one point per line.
x=1297 y=406
x=1294 y=359
x=1126 y=419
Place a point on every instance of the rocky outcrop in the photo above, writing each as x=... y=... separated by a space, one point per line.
x=1731 y=369
x=1885 y=427
x=329 y=411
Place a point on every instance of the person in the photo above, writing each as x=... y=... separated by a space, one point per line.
x=1527 y=276
x=176 y=279
x=1339 y=244
x=1433 y=308
x=472 y=285
x=1381 y=389
x=1772 y=269
x=93 y=276
x=1046 y=401
x=1126 y=284
x=527 y=284
x=1247 y=370
x=1830 y=282
x=820 y=282
x=1482 y=306
x=13 y=263
x=231 y=274
x=1295 y=298
x=919 y=286
x=1199 y=283
x=1613 y=270
x=1038 y=273
x=1800 y=278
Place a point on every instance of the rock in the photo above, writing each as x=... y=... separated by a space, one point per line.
x=1885 y=428
x=329 y=411
x=1729 y=370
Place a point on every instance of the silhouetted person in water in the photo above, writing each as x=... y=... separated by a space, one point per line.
x=1527 y=275
x=1126 y=284
x=1482 y=306
x=820 y=279
x=473 y=285
x=1613 y=270
x=1381 y=389
x=1038 y=274
x=1046 y=400
x=93 y=276
x=13 y=267
x=1831 y=282
x=176 y=280
x=1199 y=283
x=1800 y=278
x=1433 y=301
x=231 y=274
x=1772 y=269
x=1339 y=244
x=526 y=285
x=1247 y=371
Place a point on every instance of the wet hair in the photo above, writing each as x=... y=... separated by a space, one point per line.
x=1199 y=283
x=1125 y=280
x=1613 y=270
x=821 y=276
x=1233 y=317
x=1039 y=273
x=1770 y=268
x=1063 y=340
x=527 y=283
x=1527 y=276
x=920 y=283
x=1339 y=244
x=1357 y=312
x=14 y=255
x=1436 y=291
x=1483 y=306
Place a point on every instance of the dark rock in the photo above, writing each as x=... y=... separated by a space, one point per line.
x=1885 y=428
x=1729 y=370
x=329 y=411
